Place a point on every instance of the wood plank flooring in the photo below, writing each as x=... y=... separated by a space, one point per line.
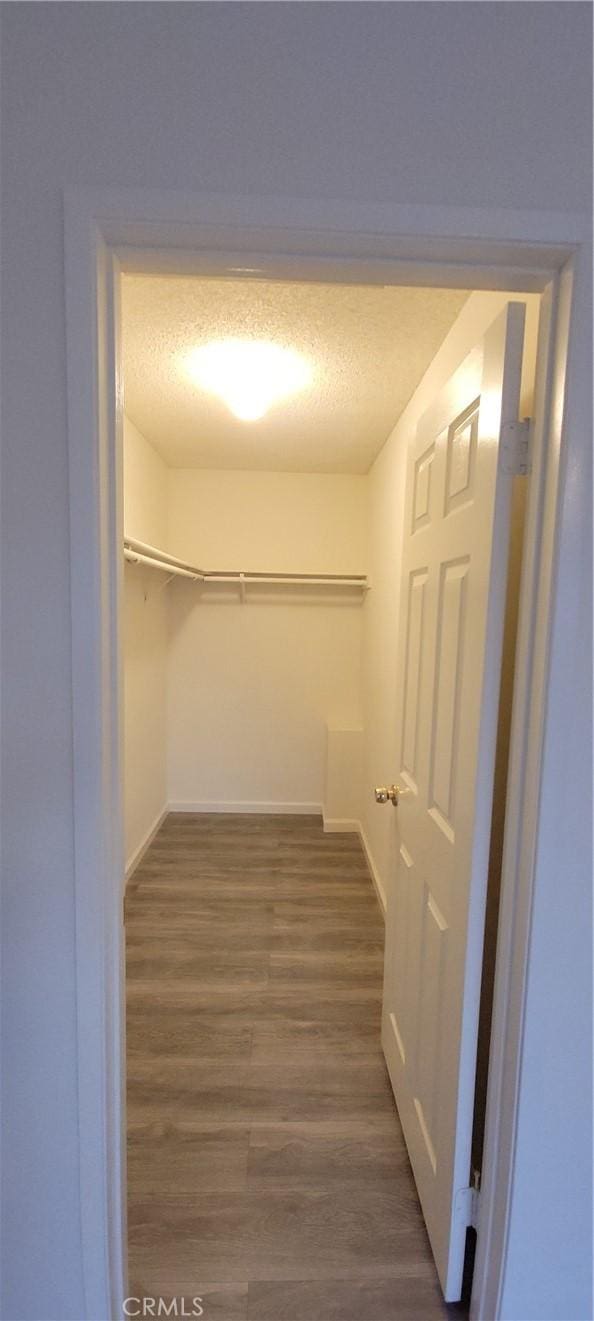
x=267 y=1171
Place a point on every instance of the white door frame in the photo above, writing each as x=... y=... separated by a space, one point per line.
x=109 y=230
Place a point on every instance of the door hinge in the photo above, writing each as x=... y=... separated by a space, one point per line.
x=516 y=447
x=467 y=1202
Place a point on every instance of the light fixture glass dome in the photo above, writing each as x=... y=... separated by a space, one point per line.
x=250 y=376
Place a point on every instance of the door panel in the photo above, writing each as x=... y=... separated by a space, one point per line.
x=455 y=546
x=412 y=675
x=447 y=685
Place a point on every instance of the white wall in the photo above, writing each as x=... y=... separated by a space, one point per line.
x=309 y=522
x=145 y=489
x=226 y=704
x=358 y=102
x=252 y=686
x=386 y=496
x=144 y=634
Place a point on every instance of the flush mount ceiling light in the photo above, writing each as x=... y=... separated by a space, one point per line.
x=250 y=376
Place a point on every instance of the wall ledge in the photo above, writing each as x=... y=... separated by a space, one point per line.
x=338 y=825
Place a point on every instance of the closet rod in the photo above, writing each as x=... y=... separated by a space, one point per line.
x=134 y=557
x=140 y=552
x=130 y=543
x=287 y=579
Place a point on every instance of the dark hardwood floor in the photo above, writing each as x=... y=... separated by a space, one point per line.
x=267 y=1172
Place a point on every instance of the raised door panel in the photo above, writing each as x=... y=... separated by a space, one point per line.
x=461 y=458
x=407 y=928
x=414 y=648
x=430 y=1037
x=446 y=714
x=422 y=490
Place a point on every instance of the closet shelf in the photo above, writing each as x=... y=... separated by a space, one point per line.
x=139 y=552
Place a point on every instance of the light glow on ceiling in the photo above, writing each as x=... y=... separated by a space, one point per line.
x=250 y=376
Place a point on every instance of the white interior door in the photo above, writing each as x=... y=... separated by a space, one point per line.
x=455 y=548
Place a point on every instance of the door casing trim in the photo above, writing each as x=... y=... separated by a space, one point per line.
x=110 y=230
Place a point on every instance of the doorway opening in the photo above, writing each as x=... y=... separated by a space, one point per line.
x=107 y=232
x=261 y=613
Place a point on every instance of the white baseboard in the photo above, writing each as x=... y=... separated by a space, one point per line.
x=145 y=843
x=266 y=809
x=374 y=873
x=343 y=825
x=339 y=825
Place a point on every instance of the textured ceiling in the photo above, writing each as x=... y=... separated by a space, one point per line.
x=369 y=347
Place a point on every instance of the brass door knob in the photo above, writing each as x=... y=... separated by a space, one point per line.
x=390 y=793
